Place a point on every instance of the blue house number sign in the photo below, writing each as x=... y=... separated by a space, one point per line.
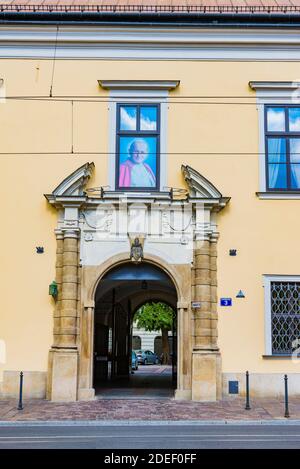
x=226 y=301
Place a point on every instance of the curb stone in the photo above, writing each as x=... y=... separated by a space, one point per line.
x=96 y=423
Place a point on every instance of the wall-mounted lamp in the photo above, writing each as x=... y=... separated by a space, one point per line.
x=232 y=252
x=39 y=249
x=53 y=291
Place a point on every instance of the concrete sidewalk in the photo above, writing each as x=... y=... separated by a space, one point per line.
x=151 y=410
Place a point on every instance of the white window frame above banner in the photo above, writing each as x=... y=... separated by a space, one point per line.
x=135 y=92
x=144 y=97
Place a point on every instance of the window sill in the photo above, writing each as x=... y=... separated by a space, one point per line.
x=274 y=195
x=278 y=357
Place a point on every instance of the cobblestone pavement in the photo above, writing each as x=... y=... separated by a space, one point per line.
x=138 y=409
x=148 y=395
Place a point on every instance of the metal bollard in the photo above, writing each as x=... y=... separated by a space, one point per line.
x=286 y=397
x=20 y=406
x=247 y=407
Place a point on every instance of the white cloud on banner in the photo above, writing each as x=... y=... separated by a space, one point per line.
x=147 y=124
x=128 y=122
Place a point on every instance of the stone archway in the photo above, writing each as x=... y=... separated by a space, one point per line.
x=181 y=278
x=120 y=293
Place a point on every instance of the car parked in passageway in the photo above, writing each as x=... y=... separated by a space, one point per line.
x=146 y=357
x=134 y=361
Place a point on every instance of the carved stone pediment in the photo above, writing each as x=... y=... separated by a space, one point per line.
x=72 y=187
x=200 y=189
x=198 y=185
x=75 y=183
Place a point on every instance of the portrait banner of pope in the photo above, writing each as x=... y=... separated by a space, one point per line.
x=137 y=163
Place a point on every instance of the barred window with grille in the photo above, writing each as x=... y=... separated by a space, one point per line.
x=285 y=316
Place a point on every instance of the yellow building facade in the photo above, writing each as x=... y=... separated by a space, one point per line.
x=211 y=223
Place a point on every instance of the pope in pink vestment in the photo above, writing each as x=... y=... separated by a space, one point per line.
x=134 y=172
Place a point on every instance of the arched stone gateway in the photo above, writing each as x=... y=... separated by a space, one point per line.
x=119 y=294
x=176 y=233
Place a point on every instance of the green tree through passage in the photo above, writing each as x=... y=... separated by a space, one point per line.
x=156 y=316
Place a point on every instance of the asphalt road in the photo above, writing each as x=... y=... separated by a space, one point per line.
x=151 y=436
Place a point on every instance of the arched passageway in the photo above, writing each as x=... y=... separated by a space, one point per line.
x=119 y=294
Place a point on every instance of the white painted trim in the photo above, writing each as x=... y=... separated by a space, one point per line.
x=121 y=52
x=267 y=279
x=146 y=43
x=163 y=144
x=112 y=143
x=277 y=196
x=274 y=85
x=261 y=146
x=188 y=35
x=138 y=96
x=268 y=323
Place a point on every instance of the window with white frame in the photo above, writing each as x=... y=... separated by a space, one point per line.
x=282 y=131
x=278 y=105
x=138 y=134
x=282 y=296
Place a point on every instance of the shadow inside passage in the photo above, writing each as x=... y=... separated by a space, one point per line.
x=148 y=382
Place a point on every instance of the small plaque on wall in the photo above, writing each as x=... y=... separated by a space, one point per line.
x=226 y=301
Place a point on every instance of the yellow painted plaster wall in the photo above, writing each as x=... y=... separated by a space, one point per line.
x=265 y=233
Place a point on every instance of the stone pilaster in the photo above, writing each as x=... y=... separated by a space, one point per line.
x=214 y=295
x=58 y=279
x=69 y=295
x=206 y=360
x=183 y=390
x=85 y=388
x=63 y=357
x=202 y=293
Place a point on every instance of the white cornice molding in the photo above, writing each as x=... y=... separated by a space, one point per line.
x=147 y=35
x=166 y=85
x=146 y=43
x=274 y=85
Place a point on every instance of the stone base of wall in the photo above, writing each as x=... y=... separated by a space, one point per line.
x=206 y=376
x=183 y=394
x=87 y=394
x=62 y=375
x=262 y=384
x=34 y=384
